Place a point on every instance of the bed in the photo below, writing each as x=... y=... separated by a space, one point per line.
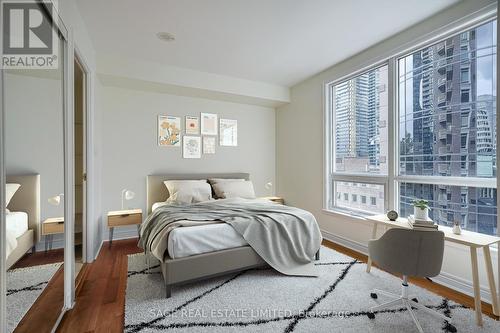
x=192 y=252
x=23 y=220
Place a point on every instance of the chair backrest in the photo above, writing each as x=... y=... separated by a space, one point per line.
x=409 y=252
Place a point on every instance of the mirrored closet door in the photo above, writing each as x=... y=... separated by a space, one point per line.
x=34 y=165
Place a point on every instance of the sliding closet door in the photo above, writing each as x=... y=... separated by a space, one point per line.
x=34 y=177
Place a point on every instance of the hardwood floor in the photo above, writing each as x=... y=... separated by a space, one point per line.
x=43 y=314
x=100 y=300
x=421 y=282
x=40 y=258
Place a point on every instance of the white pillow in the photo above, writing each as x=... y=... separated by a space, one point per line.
x=10 y=190
x=214 y=181
x=188 y=191
x=225 y=190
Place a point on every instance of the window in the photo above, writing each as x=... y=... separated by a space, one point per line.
x=451 y=165
x=464 y=75
x=360 y=140
x=463 y=140
x=354 y=191
x=444 y=129
x=465 y=97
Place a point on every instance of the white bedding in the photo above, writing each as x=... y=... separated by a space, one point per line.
x=17 y=223
x=189 y=241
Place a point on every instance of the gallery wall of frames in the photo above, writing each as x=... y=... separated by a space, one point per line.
x=199 y=135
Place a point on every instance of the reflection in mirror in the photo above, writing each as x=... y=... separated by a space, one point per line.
x=35 y=205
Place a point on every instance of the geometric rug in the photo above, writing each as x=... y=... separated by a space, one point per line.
x=24 y=285
x=263 y=300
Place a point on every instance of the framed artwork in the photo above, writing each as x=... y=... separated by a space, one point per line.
x=208 y=124
x=192 y=125
x=169 y=131
x=191 y=147
x=209 y=145
x=228 y=132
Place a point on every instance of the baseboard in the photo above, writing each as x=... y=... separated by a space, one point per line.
x=350 y=244
x=98 y=250
x=446 y=279
x=122 y=233
x=56 y=244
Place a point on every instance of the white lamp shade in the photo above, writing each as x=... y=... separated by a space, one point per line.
x=129 y=195
x=55 y=201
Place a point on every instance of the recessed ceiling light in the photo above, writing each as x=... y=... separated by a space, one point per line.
x=165 y=36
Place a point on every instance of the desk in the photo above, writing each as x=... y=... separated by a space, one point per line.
x=473 y=240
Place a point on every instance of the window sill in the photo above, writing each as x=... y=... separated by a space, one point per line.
x=335 y=212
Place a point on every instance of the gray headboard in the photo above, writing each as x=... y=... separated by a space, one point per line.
x=27 y=199
x=156 y=191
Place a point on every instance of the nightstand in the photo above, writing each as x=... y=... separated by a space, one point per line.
x=122 y=218
x=278 y=200
x=51 y=227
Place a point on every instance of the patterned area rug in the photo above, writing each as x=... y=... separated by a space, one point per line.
x=24 y=285
x=262 y=300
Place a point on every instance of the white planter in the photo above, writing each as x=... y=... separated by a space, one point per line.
x=421 y=214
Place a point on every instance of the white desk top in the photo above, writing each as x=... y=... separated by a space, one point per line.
x=468 y=238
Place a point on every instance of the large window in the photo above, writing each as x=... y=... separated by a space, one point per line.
x=360 y=141
x=443 y=126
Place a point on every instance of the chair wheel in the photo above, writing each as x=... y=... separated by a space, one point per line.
x=371 y=315
x=373 y=295
x=450 y=328
x=415 y=300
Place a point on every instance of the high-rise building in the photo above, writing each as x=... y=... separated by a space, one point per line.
x=453 y=134
x=358 y=121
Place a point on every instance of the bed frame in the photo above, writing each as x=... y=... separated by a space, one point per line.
x=26 y=199
x=206 y=265
x=202 y=266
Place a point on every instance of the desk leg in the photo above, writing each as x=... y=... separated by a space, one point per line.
x=475 y=282
x=374 y=235
x=491 y=279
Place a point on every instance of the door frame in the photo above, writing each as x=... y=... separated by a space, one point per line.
x=86 y=136
x=90 y=225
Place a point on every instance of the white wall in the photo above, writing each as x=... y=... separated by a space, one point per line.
x=300 y=146
x=130 y=151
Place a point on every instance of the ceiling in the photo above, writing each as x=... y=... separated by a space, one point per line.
x=275 y=41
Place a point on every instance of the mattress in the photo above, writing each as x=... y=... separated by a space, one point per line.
x=190 y=241
x=17 y=223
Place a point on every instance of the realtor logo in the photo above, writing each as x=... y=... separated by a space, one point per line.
x=29 y=40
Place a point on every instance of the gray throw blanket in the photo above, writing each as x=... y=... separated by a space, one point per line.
x=287 y=238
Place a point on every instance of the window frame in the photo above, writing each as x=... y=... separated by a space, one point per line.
x=333 y=176
x=393 y=179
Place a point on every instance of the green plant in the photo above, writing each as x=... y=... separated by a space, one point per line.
x=422 y=204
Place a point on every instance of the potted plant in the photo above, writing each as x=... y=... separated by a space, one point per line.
x=421 y=209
